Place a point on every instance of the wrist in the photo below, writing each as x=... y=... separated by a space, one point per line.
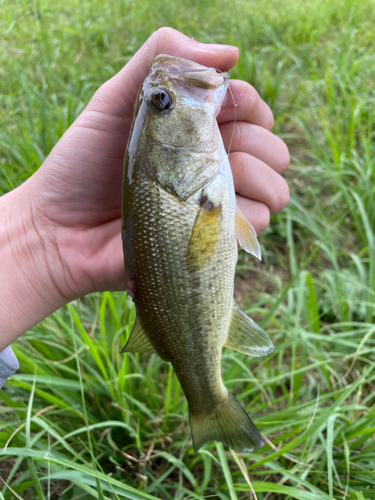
x=29 y=268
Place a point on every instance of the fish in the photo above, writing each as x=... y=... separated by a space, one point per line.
x=180 y=228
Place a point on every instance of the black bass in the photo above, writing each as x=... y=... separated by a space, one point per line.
x=179 y=228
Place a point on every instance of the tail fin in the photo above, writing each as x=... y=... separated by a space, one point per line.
x=229 y=424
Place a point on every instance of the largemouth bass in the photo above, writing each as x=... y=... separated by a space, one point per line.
x=180 y=225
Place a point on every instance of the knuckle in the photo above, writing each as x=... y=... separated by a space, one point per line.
x=240 y=137
x=284 y=158
x=238 y=163
x=164 y=33
x=253 y=98
x=99 y=98
x=243 y=175
x=258 y=107
x=271 y=121
x=285 y=195
x=103 y=94
x=234 y=135
x=282 y=197
x=246 y=95
x=100 y=94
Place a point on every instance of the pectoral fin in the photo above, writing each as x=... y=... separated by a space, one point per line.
x=246 y=235
x=246 y=336
x=138 y=341
x=205 y=235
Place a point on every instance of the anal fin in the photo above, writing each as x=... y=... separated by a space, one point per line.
x=246 y=336
x=246 y=235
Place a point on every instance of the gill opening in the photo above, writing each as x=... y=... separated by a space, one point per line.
x=235 y=117
x=235 y=114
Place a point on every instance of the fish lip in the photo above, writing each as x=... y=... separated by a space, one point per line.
x=189 y=71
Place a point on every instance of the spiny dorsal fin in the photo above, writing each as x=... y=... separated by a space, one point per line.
x=205 y=235
x=246 y=235
x=246 y=336
x=138 y=341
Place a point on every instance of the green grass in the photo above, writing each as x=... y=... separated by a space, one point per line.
x=81 y=421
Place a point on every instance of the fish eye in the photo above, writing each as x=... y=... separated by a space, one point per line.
x=161 y=100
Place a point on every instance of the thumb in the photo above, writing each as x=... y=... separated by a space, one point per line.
x=117 y=95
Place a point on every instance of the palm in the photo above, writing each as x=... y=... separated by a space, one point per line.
x=83 y=173
x=81 y=198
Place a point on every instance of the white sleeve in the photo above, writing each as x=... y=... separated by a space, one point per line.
x=8 y=364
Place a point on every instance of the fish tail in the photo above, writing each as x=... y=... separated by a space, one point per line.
x=229 y=424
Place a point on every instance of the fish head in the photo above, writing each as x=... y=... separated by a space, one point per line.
x=175 y=139
x=181 y=100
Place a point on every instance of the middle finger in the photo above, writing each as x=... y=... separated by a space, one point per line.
x=256 y=141
x=243 y=103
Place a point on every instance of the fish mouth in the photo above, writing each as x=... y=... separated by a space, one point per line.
x=190 y=72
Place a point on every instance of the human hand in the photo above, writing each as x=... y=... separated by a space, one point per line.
x=73 y=202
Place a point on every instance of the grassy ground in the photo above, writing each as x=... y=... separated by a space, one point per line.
x=81 y=421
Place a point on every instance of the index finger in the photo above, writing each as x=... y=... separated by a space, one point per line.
x=116 y=96
x=248 y=106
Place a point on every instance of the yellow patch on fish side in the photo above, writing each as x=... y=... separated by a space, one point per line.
x=205 y=235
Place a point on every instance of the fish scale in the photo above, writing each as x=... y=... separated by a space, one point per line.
x=160 y=265
x=179 y=223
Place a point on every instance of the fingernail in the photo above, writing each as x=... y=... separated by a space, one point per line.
x=215 y=46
